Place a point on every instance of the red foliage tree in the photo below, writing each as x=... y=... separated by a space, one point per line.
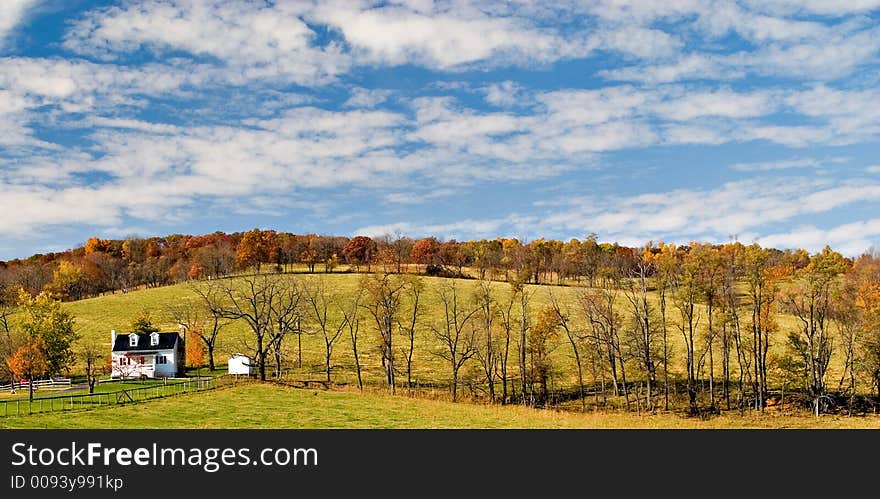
x=360 y=250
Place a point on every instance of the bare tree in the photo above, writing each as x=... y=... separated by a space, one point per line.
x=636 y=290
x=666 y=266
x=92 y=355
x=519 y=288
x=266 y=303
x=414 y=288
x=287 y=319
x=686 y=295
x=204 y=320
x=351 y=315
x=382 y=298
x=318 y=303
x=457 y=339
x=599 y=309
x=762 y=292
x=506 y=314
x=485 y=335
x=574 y=339
x=810 y=300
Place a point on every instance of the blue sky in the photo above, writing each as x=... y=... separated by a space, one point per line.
x=636 y=120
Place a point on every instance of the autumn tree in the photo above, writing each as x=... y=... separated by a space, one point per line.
x=68 y=282
x=143 y=323
x=215 y=260
x=865 y=278
x=195 y=354
x=425 y=251
x=810 y=300
x=29 y=361
x=252 y=250
x=540 y=345
x=44 y=319
x=360 y=250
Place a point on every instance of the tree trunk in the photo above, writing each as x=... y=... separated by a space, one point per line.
x=577 y=359
x=329 y=352
x=261 y=356
x=504 y=369
x=211 y=356
x=665 y=351
x=711 y=360
x=522 y=346
x=357 y=366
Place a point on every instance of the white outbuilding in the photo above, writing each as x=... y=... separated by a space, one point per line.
x=240 y=364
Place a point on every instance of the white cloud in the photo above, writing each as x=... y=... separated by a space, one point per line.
x=255 y=40
x=785 y=164
x=12 y=12
x=367 y=98
x=851 y=239
x=462 y=230
x=443 y=35
x=503 y=94
x=414 y=197
x=820 y=7
x=737 y=208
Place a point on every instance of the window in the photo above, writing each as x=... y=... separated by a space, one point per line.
x=132 y=340
x=123 y=361
x=154 y=339
x=161 y=359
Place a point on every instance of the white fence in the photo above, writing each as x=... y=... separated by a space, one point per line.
x=43 y=383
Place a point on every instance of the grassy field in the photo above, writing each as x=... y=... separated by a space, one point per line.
x=97 y=316
x=272 y=406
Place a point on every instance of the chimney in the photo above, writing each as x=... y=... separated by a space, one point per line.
x=112 y=338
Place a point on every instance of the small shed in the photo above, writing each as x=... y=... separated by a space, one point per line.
x=240 y=364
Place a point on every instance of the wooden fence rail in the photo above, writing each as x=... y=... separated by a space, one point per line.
x=24 y=407
x=38 y=384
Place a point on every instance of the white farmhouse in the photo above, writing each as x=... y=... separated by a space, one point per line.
x=240 y=364
x=151 y=355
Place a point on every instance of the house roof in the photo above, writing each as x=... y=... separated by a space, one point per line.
x=166 y=342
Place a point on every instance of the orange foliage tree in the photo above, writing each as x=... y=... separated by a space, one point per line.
x=195 y=354
x=29 y=361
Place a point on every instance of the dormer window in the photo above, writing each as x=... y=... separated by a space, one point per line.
x=133 y=340
x=154 y=339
